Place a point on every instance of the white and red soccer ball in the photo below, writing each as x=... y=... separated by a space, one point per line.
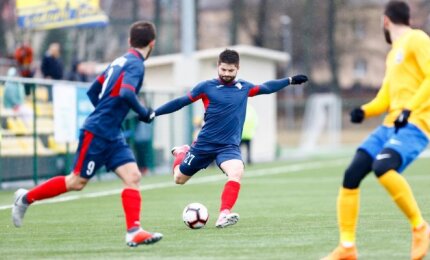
x=195 y=215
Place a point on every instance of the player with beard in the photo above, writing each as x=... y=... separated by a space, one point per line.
x=225 y=102
x=101 y=140
x=405 y=98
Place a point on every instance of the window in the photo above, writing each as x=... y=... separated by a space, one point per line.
x=359 y=29
x=360 y=68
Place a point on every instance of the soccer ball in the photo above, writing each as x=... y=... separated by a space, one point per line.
x=195 y=215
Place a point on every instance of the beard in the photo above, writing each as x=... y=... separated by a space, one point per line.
x=149 y=53
x=387 y=36
x=227 y=79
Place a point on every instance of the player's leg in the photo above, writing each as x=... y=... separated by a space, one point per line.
x=399 y=152
x=348 y=200
x=51 y=188
x=122 y=160
x=230 y=162
x=179 y=152
x=57 y=185
x=131 y=202
x=188 y=161
x=348 y=205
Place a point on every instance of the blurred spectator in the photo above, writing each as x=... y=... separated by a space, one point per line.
x=248 y=132
x=24 y=60
x=14 y=98
x=78 y=72
x=52 y=66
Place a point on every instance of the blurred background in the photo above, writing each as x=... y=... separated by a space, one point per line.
x=50 y=50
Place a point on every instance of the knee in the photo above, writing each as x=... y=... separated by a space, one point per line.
x=353 y=177
x=386 y=160
x=360 y=166
x=75 y=183
x=236 y=174
x=133 y=179
x=179 y=179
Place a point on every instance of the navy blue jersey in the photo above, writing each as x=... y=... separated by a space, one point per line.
x=225 y=108
x=114 y=93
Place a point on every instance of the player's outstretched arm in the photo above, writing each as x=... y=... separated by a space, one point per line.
x=276 y=85
x=144 y=114
x=173 y=105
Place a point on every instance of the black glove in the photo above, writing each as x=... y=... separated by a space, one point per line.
x=149 y=117
x=357 y=115
x=402 y=120
x=298 y=79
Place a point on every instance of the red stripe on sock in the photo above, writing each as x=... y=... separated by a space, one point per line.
x=51 y=188
x=229 y=195
x=131 y=203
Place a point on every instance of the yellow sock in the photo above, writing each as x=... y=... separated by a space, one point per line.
x=401 y=193
x=348 y=204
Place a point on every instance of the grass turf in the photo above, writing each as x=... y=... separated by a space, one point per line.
x=287 y=212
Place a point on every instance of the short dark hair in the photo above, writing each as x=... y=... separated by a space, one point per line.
x=229 y=56
x=141 y=34
x=398 y=12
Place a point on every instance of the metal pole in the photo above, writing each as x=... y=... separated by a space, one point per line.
x=188 y=46
x=188 y=27
x=35 y=177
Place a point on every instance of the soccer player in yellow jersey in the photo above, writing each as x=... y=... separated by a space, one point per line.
x=391 y=147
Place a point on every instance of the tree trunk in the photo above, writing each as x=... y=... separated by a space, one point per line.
x=308 y=39
x=236 y=8
x=261 y=24
x=331 y=37
x=3 y=51
x=158 y=25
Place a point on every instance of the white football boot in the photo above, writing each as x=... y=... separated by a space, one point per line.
x=19 y=207
x=142 y=237
x=226 y=219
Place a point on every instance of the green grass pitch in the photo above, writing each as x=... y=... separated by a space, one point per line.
x=287 y=211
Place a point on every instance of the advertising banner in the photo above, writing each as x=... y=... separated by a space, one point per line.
x=51 y=14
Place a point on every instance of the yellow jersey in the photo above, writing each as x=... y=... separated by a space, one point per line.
x=406 y=83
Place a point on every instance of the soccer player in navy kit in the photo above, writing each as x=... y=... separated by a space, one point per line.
x=101 y=140
x=225 y=102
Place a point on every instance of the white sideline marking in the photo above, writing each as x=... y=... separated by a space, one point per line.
x=207 y=179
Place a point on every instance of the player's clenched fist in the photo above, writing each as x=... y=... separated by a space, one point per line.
x=402 y=119
x=149 y=117
x=357 y=115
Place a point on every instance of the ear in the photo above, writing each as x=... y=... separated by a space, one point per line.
x=386 y=21
x=129 y=44
x=152 y=43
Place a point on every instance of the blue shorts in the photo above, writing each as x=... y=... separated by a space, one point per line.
x=409 y=142
x=197 y=159
x=94 y=152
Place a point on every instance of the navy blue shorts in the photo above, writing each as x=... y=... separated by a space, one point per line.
x=94 y=152
x=409 y=142
x=197 y=158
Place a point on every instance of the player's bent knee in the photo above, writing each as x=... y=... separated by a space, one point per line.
x=75 y=183
x=388 y=159
x=235 y=176
x=180 y=178
x=180 y=181
x=133 y=179
x=360 y=166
